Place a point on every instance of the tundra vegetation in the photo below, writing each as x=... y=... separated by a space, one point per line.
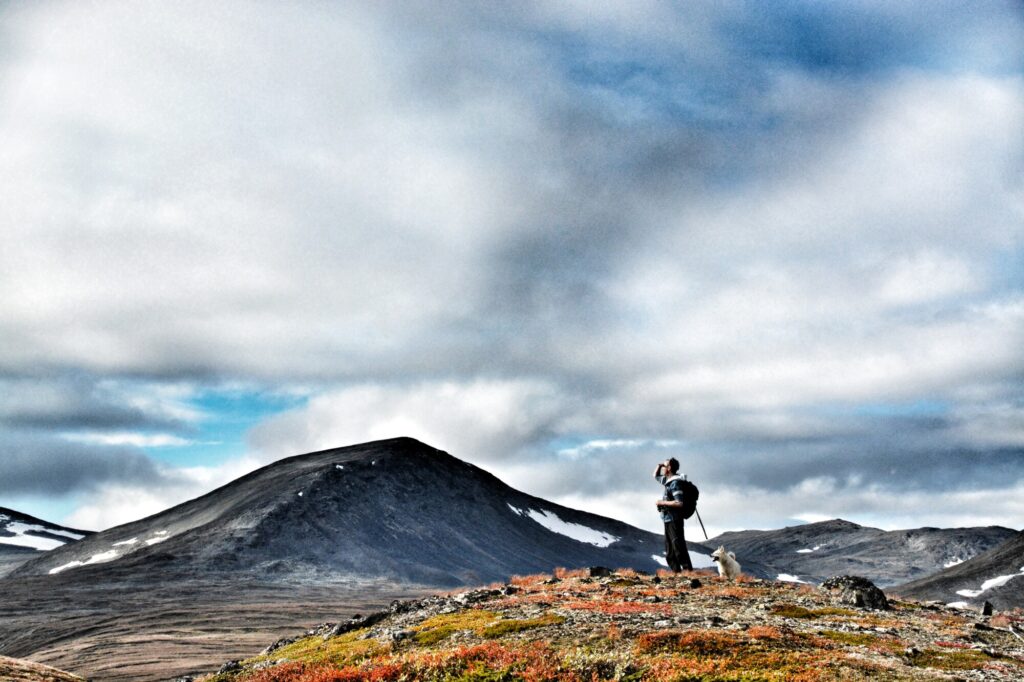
x=571 y=627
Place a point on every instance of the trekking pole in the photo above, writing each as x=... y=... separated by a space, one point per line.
x=701 y=523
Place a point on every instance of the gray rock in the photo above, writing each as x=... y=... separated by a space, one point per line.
x=230 y=667
x=855 y=591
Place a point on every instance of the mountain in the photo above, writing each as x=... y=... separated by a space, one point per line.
x=815 y=551
x=996 y=576
x=24 y=537
x=306 y=539
x=395 y=509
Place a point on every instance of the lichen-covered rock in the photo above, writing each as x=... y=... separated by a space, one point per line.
x=856 y=591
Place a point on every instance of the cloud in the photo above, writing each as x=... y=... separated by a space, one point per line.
x=47 y=465
x=757 y=234
x=493 y=420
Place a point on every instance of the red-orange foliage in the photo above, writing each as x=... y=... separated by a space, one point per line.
x=765 y=632
x=566 y=573
x=618 y=607
x=526 y=580
x=299 y=672
x=695 y=642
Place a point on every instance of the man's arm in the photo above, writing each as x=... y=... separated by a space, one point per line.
x=676 y=501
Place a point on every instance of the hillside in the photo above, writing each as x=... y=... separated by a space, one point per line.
x=997 y=576
x=814 y=551
x=14 y=670
x=24 y=537
x=628 y=626
x=396 y=509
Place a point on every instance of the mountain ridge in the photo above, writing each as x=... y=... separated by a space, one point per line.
x=814 y=551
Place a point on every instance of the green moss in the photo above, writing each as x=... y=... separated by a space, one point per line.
x=439 y=628
x=792 y=611
x=851 y=638
x=484 y=623
x=505 y=627
x=964 y=659
x=346 y=649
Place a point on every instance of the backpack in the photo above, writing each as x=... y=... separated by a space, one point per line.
x=690 y=495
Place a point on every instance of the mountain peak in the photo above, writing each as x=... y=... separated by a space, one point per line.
x=354 y=512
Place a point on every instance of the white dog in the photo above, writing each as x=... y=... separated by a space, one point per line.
x=728 y=567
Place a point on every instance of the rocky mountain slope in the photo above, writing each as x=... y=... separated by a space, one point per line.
x=395 y=509
x=997 y=576
x=24 y=537
x=593 y=625
x=814 y=551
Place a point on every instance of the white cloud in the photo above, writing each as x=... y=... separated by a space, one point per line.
x=479 y=420
x=152 y=440
x=500 y=241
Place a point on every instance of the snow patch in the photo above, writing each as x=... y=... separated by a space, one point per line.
x=575 y=531
x=22 y=539
x=952 y=563
x=808 y=551
x=161 y=535
x=787 y=578
x=109 y=555
x=339 y=467
x=65 y=533
x=660 y=559
x=300 y=493
x=132 y=541
x=989 y=584
x=958 y=605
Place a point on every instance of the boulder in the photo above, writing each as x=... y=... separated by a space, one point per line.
x=855 y=591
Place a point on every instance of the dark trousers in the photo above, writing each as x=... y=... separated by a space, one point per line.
x=676 y=554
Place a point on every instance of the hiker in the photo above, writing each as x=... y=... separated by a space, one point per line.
x=671 y=508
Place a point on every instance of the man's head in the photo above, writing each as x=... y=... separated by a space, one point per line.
x=672 y=464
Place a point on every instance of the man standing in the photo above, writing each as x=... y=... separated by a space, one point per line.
x=671 y=507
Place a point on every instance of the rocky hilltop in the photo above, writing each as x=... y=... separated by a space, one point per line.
x=601 y=625
x=395 y=509
x=812 y=552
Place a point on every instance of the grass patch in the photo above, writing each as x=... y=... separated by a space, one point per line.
x=506 y=627
x=964 y=659
x=851 y=638
x=346 y=649
x=487 y=624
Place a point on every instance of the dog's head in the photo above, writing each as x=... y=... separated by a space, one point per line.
x=719 y=553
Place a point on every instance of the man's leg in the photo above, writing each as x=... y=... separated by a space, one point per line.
x=681 y=549
x=672 y=547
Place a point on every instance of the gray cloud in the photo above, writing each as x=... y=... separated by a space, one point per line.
x=702 y=223
x=74 y=402
x=34 y=464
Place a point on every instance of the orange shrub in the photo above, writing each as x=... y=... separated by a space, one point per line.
x=765 y=632
x=693 y=642
x=526 y=580
x=565 y=573
x=618 y=607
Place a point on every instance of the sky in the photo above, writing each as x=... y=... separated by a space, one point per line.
x=782 y=242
